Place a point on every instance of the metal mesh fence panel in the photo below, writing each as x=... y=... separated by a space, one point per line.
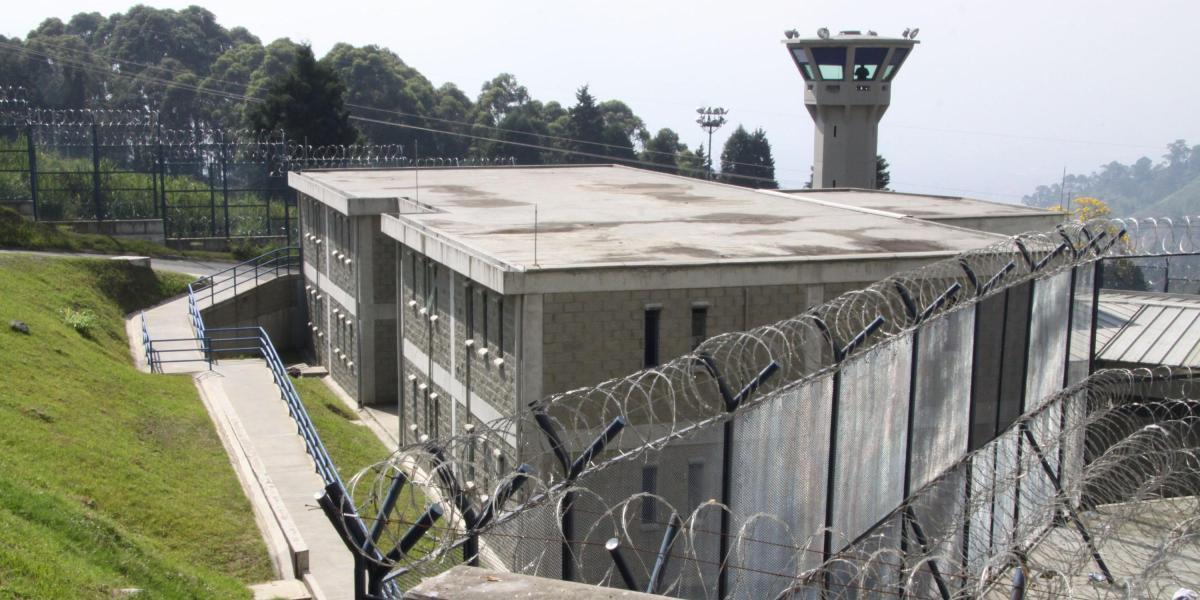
x=1081 y=323
x=979 y=508
x=789 y=428
x=942 y=395
x=528 y=543
x=871 y=434
x=1048 y=319
x=937 y=514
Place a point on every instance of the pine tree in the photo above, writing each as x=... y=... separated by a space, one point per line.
x=746 y=160
x=307 y=103
x=585 y=123
x=883 y=173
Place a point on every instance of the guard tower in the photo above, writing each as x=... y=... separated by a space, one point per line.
x=848 y=80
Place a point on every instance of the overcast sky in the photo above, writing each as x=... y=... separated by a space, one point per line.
x=997 y=98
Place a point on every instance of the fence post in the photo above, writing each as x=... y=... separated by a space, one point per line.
x=33 y=182
x=96 y=198
x=212 y=200
x=161 y=173
x=225 y=184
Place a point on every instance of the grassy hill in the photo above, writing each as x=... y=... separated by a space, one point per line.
x=109 y=478
x=1184 y=201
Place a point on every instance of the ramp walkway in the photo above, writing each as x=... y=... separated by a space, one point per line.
x=271 y=441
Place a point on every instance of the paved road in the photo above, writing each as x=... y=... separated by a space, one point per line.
x=198 y=268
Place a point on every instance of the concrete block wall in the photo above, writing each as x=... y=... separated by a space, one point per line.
x=276 y=305
x=496 y=384
x=343 y=347
x=590 y=337
x=317 y=327
x=442 y=343
x=311 y=222
x=340 y=246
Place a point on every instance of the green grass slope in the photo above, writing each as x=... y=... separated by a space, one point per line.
x=19 y=232
x=1184 y=201
x=109 y=478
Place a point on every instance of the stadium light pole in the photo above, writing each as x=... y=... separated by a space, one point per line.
x=711 y=119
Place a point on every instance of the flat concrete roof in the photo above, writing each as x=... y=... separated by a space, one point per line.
x=592 y=216
x=923 y=206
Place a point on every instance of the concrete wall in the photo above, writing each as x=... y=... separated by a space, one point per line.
x=439 y=312
x=590 y=337
x=134 y=229
x=1005 y=225
x=350 y=286
x=277 y=306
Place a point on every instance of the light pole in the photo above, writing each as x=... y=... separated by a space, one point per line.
x=710 y=120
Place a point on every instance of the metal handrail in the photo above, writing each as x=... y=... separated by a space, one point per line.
x=274 y=262
x=263 y=346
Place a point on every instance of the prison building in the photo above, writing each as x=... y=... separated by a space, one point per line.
x=971 y=213
x=473 y=292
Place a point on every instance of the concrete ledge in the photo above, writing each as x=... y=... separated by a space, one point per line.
x=287 y=547
x=472 y=583
x=136 y=261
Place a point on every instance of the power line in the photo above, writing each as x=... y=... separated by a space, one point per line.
x=229 y=95
x=245 y=88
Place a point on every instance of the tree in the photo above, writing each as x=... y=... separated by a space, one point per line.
x=663 y=150
x=378 y=78
x=585 y=123
x=746 y=160
x=694 y=163
x=307 y=103
x=883 y=174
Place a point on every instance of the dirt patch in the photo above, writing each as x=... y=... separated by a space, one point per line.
x=667 y=192
x=680 y=249
x=469 y=197
x=740 y=219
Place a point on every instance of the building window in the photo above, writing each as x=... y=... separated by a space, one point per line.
x=699 y=325
x=469 y=309
x=801 y=58
x=831 y=63
x=653 y=316
x=484 y=295
x=867 y=61
x=499 y=326
x=893 y=66
x=649 y=486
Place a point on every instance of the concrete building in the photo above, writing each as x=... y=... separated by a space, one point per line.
x=847 y=87
x=464 y=294
x=971 y=213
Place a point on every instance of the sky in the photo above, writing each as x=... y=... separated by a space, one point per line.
x=997 y=98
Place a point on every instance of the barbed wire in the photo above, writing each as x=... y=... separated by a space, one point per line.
x=565 y=444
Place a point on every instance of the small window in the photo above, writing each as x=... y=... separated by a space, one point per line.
x=653 y=316
x=831 y=63
x=801 y=58
x=893 y=66
x=649 y=486
x=699 y=325
x=866 y=63
x=484 y=295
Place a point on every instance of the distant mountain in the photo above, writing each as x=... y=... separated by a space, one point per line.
x=1184 y=201
x=1167 y=188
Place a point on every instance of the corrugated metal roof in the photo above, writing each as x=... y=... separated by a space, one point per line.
x=1147 y=328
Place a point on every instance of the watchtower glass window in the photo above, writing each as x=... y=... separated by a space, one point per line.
x=898 y=56
x=867 y=62
x=802 y=62
x=831 y=63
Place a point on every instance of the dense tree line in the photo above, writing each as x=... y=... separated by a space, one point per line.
x=1169 y=187
x=192 y=70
